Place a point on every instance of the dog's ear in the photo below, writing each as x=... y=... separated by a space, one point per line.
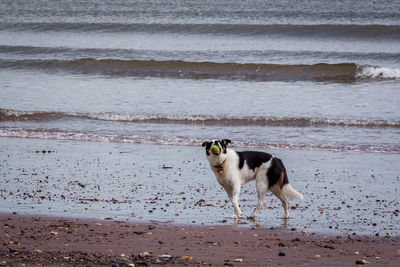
x=225 y=142
x=205 y=143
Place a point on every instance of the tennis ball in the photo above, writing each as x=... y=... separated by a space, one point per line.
x=215 y=149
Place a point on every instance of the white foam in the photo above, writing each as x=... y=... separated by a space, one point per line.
x=371 y=72
x=16 y=113
x=175 y=141
x=76 y=136
x=134 y=117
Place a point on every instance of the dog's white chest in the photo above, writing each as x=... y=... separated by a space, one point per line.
x=221 y=174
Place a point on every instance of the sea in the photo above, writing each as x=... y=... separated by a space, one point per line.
x=308 y=75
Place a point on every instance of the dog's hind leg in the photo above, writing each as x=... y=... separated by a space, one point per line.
x=262 y=189
x=277 y=191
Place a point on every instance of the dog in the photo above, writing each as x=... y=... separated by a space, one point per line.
x=233 y=169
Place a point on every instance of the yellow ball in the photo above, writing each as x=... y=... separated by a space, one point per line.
x=215 y=149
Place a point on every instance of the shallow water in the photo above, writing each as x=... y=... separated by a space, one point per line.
x=168 y=111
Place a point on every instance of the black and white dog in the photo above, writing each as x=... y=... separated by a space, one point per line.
x=233 y=169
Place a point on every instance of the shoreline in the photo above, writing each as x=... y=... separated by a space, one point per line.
x=53 y=241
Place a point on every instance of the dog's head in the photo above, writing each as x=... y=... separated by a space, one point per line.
x=216 y=147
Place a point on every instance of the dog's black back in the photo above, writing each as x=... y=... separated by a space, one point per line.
x=255 y=159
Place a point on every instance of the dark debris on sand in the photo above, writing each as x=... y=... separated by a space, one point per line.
x=51 y=241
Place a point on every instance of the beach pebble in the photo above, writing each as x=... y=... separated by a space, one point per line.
x=53 y=233
x=165 y=256
x=125 y=261
x=238 y=260
x=144 y=254
x=282 y=254
x=361 y=262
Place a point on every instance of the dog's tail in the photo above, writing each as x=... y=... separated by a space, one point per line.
x=289 y=192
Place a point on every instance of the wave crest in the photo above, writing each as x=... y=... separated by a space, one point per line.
x=178 y=69
x=19 y=115
x=380 y=73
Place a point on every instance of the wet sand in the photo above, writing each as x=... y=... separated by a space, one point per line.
x=38 y=240
x=344 y=193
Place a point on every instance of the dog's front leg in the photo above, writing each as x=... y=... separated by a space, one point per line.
x=262 y=188
x=234 y=197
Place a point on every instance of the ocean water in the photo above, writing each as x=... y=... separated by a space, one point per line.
x=283 y=74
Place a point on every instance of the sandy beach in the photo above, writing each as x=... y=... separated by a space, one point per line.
x=49 y=241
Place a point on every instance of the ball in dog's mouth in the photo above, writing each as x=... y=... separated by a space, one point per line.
x=215 y=149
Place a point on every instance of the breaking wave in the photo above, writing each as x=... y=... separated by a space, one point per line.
x=381 y=73
x=18 y=115
x=78 y=136
x=242 y=56
x=344 y=72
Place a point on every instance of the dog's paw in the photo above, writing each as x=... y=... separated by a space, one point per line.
x=237 y=216
x=251 y=216
x=285 y=217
